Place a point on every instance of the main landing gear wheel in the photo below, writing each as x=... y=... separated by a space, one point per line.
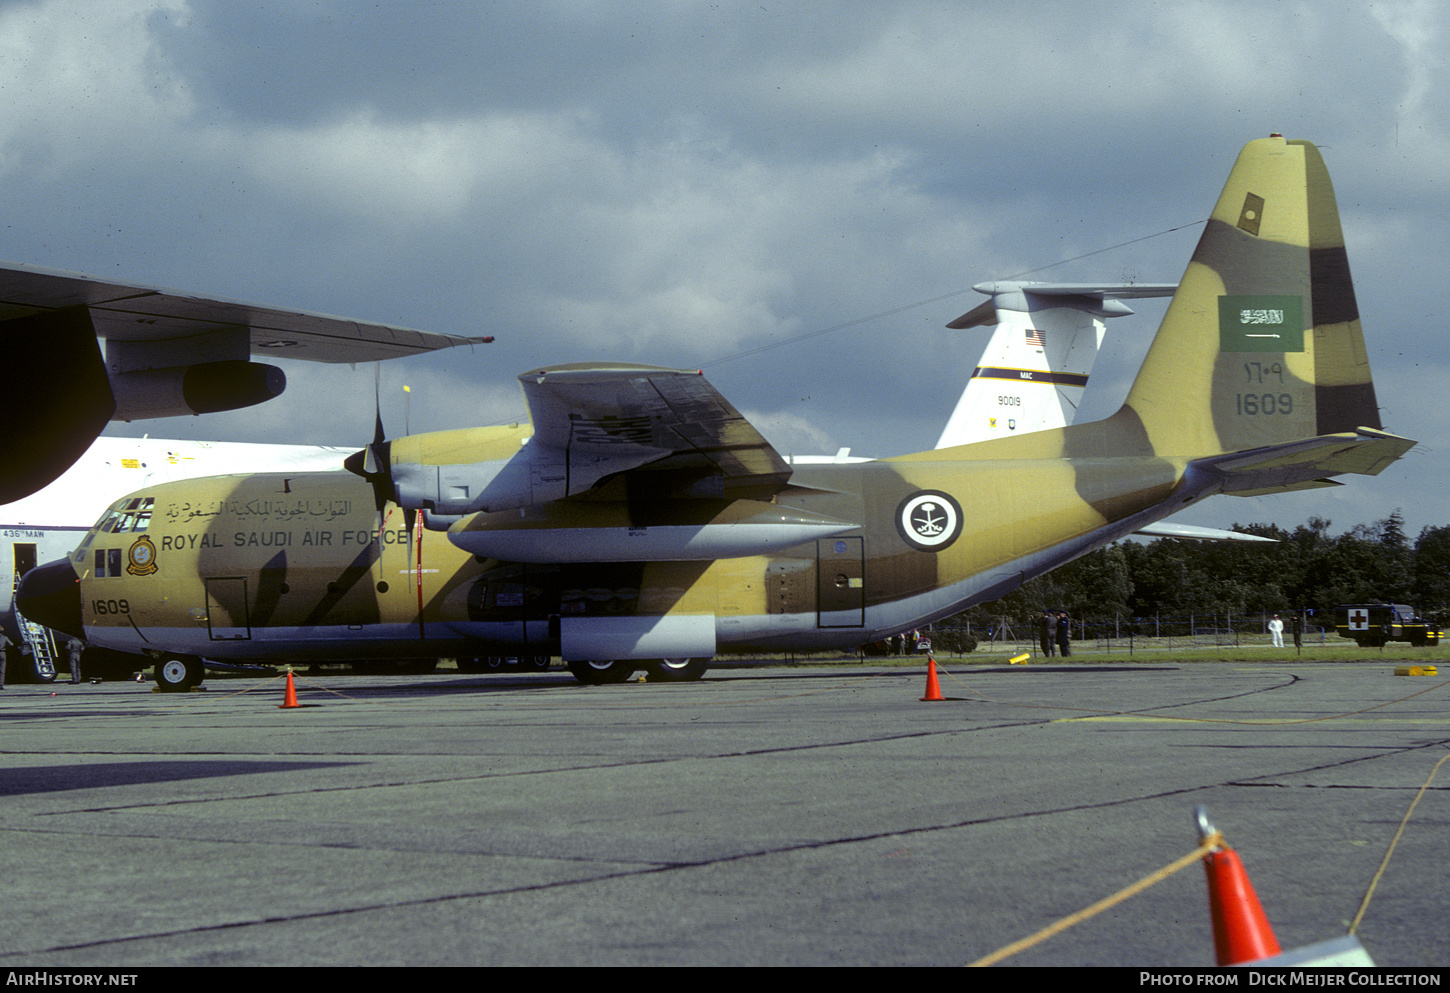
x=179 y=673
x=598 y=673
x=676 y=670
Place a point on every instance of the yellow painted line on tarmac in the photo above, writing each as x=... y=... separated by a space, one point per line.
x=1149 y=719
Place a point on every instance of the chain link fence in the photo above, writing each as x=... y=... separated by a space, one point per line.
x=1192 y=632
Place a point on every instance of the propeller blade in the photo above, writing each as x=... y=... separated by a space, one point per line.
x=374 y=463
x=378 y=436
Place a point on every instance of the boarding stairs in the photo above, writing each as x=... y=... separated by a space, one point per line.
x=39 y=639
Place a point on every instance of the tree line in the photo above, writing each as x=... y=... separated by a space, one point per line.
x=1306 y=569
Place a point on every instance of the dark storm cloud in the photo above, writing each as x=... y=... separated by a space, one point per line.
x=683 y=183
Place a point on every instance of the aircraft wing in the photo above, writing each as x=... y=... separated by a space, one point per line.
x=627 y=463
x=653 y=439
x=125 y=312
x=166 y=354
x=638 y=416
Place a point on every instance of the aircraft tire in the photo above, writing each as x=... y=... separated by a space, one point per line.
x=600 y=673
x=178 y=673
x=540 y=662
x=676 y=670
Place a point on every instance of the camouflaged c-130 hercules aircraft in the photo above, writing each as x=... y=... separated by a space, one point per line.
x=641 y=522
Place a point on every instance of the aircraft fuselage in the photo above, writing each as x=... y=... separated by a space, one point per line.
x=303 y=566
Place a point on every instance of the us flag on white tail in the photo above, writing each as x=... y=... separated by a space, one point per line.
x=1036 y=338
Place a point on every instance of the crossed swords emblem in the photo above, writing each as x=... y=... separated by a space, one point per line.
x=925 y=522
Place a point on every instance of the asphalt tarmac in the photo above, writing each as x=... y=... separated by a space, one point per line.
x=762 y=816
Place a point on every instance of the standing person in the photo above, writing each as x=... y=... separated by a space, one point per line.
x=1064 y=633
x=4 y=655
x=1296 y=622
x=1276 y=631
x=1044 y=633
x=75 y=648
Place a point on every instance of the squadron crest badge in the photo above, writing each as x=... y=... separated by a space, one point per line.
x=141 y=559
x=929 y=520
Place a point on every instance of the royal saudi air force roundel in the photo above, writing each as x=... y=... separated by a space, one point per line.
x=929 y=520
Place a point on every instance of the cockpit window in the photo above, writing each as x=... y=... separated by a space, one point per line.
x=130 y=516
x=127 y=516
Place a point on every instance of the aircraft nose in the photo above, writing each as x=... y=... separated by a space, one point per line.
x=50 y=594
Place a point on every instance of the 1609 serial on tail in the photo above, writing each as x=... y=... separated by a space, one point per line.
x=641 y=521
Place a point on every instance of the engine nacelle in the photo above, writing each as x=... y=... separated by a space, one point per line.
x=534 y=474
x=202 y=388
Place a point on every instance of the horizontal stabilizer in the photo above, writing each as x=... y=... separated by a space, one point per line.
x=1093 y=298
x=1296 y=464
x=1163 y=529
x=1313 y=484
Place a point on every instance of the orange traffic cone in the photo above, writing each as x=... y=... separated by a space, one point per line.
x=290 y=698
x=1241 y=932
x=933 y=691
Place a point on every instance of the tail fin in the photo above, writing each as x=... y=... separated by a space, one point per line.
x=1262 y=342
x=1033 y=371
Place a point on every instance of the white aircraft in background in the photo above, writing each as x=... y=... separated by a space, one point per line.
x=1033 y=371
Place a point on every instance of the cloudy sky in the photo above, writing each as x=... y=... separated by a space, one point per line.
x=794 y=195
